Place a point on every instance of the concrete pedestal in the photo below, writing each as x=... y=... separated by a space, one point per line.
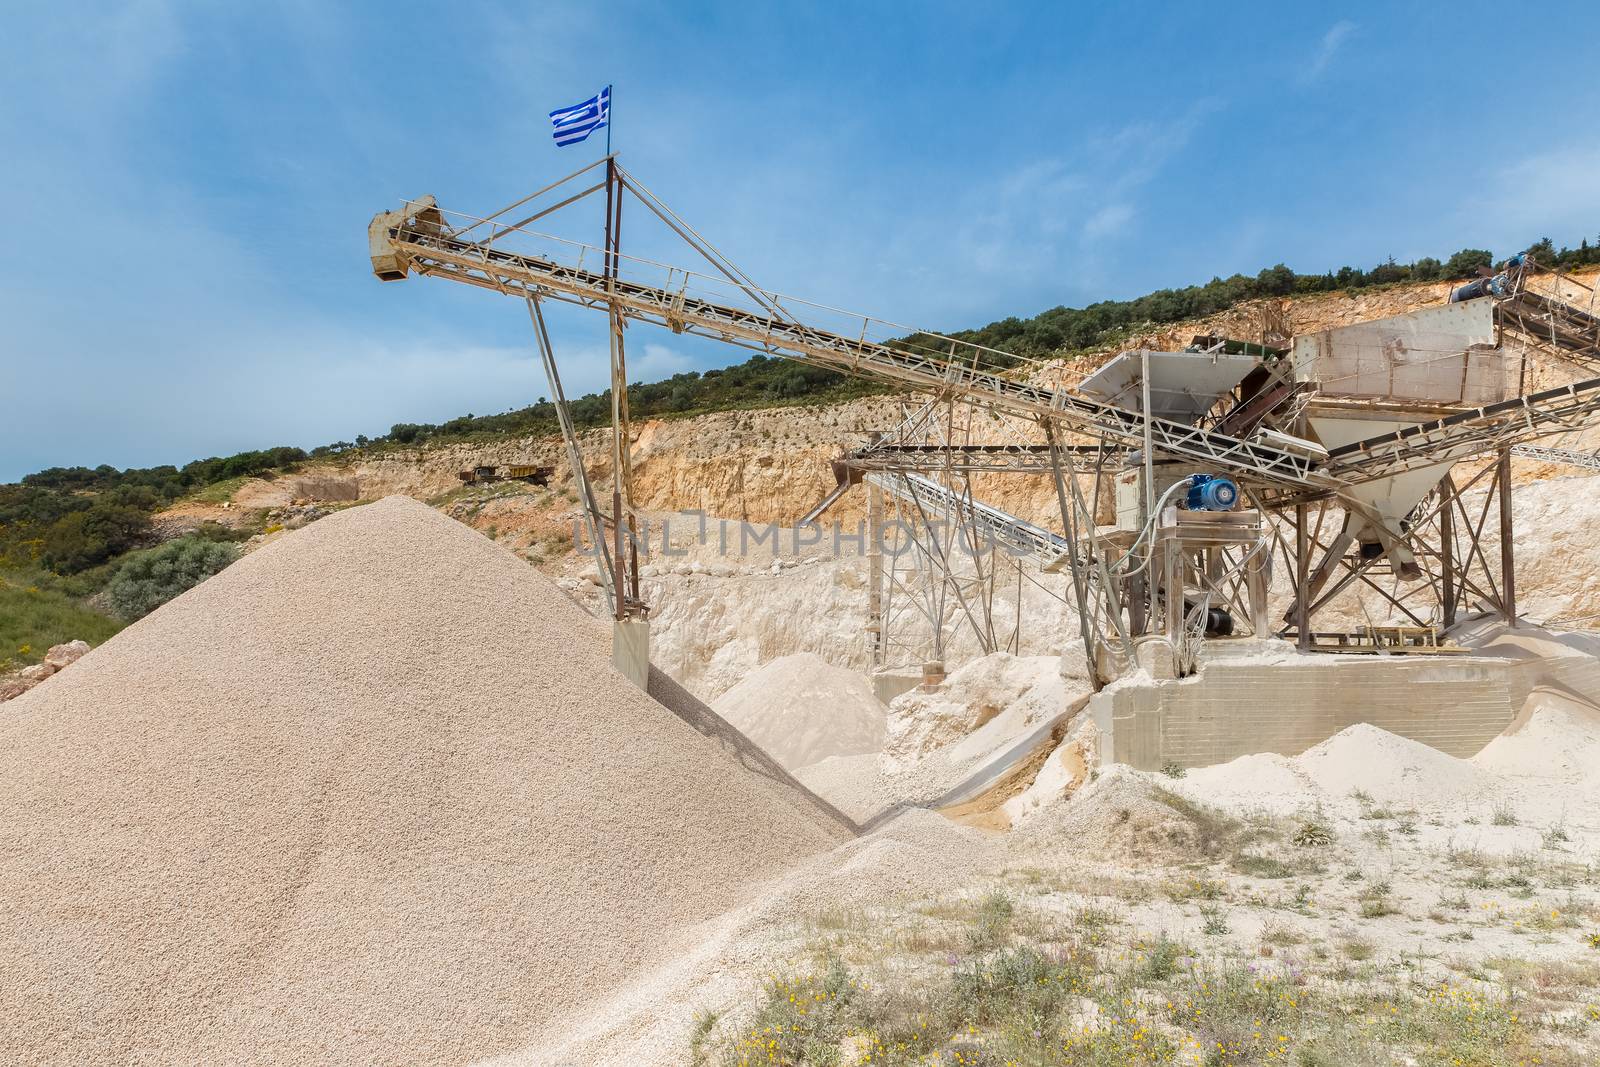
x=630 y=650
x=1156 y=655
x=888 y=684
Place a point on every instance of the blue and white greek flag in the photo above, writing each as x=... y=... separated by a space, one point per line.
x=573 y=124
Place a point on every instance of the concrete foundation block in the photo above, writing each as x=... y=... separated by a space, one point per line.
x=630 y=650
x=1231 y=709
x=886 y=685
x=1157 y=656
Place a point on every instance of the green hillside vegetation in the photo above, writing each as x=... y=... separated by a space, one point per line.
x=147 y=579
x=67 y=532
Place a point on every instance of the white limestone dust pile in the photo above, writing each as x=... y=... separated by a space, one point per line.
x=980 y=707
x=803 y=710
x=1391 y=769
x=1555 y=741
x=372 y=794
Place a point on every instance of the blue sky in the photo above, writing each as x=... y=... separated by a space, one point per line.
x=183 y=269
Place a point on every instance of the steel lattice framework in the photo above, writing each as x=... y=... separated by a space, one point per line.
x=1586 y=460
x=1279 y=472
x=761 y=320
x=1017 y=535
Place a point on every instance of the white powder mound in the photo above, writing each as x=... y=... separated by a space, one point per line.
x=1263 y=781
x=1391 y=769
x=373 y=794
x=803 y=710
x=978 y=708
x=1556 y=740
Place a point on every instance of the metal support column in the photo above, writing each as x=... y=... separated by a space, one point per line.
x=593 y=517
x=1508 y=576
x=1447 y=553
x=875 y=621
x=1170 y=554
x=1302 y=579
x=1256 y=582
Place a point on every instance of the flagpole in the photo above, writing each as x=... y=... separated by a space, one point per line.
x=611 y=106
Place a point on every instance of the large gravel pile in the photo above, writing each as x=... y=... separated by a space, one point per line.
x=373 y=794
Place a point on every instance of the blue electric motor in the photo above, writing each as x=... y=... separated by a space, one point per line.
x=1209 y=492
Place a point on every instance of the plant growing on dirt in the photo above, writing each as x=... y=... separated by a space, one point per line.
x=1504 y=815
x=992 y=922
x=146 y=580
x=1313 y=832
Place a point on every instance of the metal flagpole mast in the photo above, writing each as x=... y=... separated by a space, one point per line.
x=611 y=104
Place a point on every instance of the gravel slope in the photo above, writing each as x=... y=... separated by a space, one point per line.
x=372 y=794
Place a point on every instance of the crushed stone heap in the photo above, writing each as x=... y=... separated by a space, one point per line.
x=373 y=794
x=802 y=710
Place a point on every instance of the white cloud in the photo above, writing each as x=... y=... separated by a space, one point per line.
x=1329 y=47
x=1550 y=194
x=657 y=362
x=1038 y=221
x=1109 y=220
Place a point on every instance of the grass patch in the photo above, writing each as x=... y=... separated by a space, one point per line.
x=1215 y=830
x=1079 y=1004
x=1357 y=948
x=1196 y=889
x=1258 y=866
x=34 y=618
x=218 y=492
x=1374 y=901
x=992 y=923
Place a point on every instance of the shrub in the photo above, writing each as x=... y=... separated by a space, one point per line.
x=146 y=580
x=1313 y=832
x=82 y=539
